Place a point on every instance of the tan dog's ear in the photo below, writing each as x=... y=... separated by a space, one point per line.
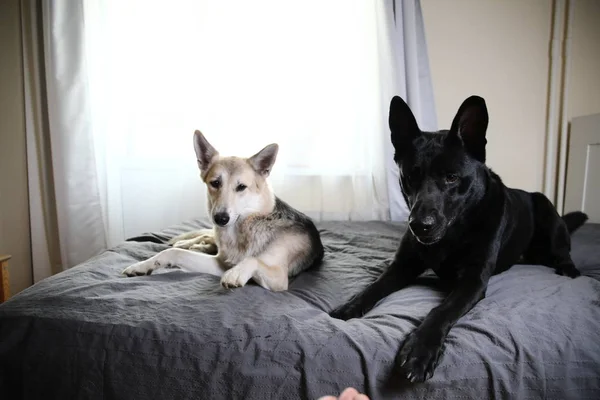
x=205 y=153
x=263 y=161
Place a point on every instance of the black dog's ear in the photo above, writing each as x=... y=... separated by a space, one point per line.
x=403 y=124
x=470 y=125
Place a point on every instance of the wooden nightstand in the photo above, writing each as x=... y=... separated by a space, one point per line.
x=4 y=281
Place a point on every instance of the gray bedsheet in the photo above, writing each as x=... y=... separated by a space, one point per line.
x=88 y=333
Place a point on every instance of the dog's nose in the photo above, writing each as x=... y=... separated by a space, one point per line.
x=221 y=218
x=421 y=226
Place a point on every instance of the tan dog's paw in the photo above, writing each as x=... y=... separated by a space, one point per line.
x=184 y=244
x=237 y=276
x=204 y=242
x=188 y=243
x=141 y=268
x=192 y=235
x=207 y=248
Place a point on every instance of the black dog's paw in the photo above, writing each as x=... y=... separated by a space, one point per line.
x=418 y=357
x=568 y=270
x=348 y=311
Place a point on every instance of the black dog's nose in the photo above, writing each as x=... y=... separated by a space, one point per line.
x=421 y=226
x=221 y=218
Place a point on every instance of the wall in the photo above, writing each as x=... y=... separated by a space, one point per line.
x=14 y=214
x=584 y=74
x=498 y=50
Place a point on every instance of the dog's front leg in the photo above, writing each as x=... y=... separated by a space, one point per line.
x=403 y=271
x=184 y=259
x=240 y=274
x=421 y=350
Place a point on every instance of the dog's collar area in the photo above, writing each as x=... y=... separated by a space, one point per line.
x=430 y=240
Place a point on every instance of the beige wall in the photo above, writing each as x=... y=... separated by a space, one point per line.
x=584 y=73
x=14 y=214
x=500 y=50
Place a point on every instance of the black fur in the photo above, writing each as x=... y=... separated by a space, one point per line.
x=574 y=220
x=464 y=223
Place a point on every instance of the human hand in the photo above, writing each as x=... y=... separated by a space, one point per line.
x=347 y=394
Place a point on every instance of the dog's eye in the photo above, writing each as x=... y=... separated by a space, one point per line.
x=216 y=183
x=240 y=188
x=451 y=178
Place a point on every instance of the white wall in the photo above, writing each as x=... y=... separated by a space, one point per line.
x=500 y=50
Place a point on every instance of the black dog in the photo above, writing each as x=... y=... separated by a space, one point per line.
x=465 y=224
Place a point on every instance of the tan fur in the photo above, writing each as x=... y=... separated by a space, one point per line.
x=202 y=240
x=252 y=245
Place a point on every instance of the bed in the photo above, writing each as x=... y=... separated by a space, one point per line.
x=88 y=333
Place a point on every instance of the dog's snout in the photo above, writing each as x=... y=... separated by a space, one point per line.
x=221 y=218
x=422 y=226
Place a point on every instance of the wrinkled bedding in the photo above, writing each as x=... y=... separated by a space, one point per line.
x=88 y=333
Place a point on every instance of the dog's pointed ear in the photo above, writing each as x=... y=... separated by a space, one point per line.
x=263 y=161
x=205 y=153
x=403 y=124
x=470 y=125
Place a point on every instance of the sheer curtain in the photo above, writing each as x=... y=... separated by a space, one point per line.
x=129 y=81
x=302 y=74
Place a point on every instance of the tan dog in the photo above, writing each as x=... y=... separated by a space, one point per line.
x=257 y=235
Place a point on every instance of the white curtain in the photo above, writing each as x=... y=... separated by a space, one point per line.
x=409 y=76
x=129 y=81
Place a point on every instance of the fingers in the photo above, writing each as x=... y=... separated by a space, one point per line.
x=347 y=394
